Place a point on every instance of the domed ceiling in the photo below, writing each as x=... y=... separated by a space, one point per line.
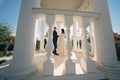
x=61 y=4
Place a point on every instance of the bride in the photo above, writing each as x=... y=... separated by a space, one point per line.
x=61 y=43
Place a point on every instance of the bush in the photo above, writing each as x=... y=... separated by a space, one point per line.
x=10 y=48
x=1 y=54
x=118 y=51
x=37 y=45
x=2 y=46
x=2 y=61
x=9 y=53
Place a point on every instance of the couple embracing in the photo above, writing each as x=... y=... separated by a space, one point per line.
x=59 y=42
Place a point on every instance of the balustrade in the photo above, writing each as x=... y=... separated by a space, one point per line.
x=42 y=35
x=26 y=40
x=48 y=65
x=70 y=65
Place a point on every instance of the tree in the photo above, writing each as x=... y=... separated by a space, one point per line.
x=117 y=44
x=5 y=34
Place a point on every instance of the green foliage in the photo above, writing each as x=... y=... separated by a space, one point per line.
x=118 y=51
x=88 y=39
x=5 y=31
x=37 y=45
x=2 y=61
x=1 y=54
x=72 y=42
x=9 y=53
x=5 y=34
x=119 y=62
x=46 y=35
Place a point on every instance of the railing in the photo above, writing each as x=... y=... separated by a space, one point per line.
x=68 y=65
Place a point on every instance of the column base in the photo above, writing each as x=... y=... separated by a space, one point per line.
x=112 y=72
x=42 y=50
x=88 y=65
x=19 y=73
x=59 y=64
x=39 y=60
x=48 y=67
x=76 y=50
x=70 y=67
x=113 y=76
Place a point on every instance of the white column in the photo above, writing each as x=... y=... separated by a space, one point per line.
x=42 y=36
x=85 y=42
x=74 y=37
x=92 y=41
x=48 y=65
x=58 y=27
x=105 y=48
x=86 y=63
x=36 y=27
x=70 y=66
x=23 y=57
x=59 y=19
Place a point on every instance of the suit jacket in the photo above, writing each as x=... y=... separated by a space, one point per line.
x=55 y=35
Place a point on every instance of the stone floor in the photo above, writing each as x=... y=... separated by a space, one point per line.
x=88 y=76
x=38 y=76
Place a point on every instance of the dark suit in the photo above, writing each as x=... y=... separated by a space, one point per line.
x=55 y=38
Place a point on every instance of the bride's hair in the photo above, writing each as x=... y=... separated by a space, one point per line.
x=63 y=31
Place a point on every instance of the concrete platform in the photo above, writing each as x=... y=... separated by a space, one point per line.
x=88 y=76
x=38 y=76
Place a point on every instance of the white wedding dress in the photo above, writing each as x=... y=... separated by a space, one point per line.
x=61 y=44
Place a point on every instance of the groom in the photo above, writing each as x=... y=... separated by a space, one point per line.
x=55 y=38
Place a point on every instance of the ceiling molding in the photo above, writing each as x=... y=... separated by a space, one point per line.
x=84 y=5
x=61 y=4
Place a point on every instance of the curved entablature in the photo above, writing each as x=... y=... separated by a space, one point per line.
x=61 y=4
x=66 y=12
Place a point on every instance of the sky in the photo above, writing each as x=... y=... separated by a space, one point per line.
x=9 y=11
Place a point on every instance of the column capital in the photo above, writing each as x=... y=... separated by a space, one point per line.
x=68 y=20
x=42 y=17
x=85 y=21
x=58 y=23
x=37 y=16
x=59 y=18
x=58 y=27
x=77 y=18
x=83 y=26
x=50 y=19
